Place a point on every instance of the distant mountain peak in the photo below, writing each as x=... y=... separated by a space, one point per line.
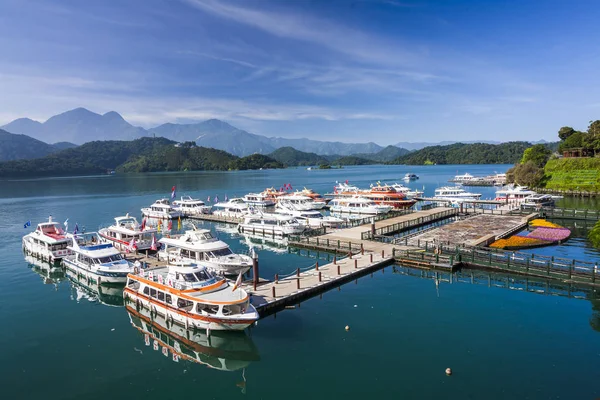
x=113 y=115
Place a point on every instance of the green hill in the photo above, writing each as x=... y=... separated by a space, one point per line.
x=140 y=155
x=22 y=147
x=460 y=153
x=292 y=157
x=386 y=154
x=352 y=160
x=573 y=174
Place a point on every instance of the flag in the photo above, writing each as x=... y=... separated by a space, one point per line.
x=208 y=200
x=226 y=198
x=165 y=351
x=170 y=226
x=132 y=246
x=216 y=198
x=76 y=229
x=290 y=186
x=178 y=223
x=173 y=192
x=346 y=181
x=153 y=246
x=143 y=224
x=175 y=357
x=26 y=224
x=335 y=189
x=159 y=225
x=66 y=223
x=238 y=282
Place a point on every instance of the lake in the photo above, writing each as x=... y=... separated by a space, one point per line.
x=61 y=341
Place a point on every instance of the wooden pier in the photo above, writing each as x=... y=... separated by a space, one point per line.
x=216 y=218
x=271 y=296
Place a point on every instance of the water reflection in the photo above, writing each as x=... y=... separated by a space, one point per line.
x=223 y=350
x=82 y=289
x=274 y=244
x=51 y=274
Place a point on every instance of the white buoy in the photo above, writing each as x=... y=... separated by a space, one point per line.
x=347 y=328
x=448 y=371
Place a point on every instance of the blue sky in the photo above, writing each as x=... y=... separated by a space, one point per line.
x=362 y=70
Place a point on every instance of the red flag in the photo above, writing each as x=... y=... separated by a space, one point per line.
x=143 y=224
x=170 y=224
x=153 y=246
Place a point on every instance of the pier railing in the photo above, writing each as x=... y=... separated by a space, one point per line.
x=518 y=262
x=333 y=245
x=403 y=225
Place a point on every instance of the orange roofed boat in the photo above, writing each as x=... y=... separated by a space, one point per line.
x=384 y=195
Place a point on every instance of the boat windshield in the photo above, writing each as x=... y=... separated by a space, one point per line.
x=199 y=276
x=221 y=252
x=108 y=259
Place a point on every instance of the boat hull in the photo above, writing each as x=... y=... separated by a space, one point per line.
x=161 y=215
x=98 y=277
x=43 y=253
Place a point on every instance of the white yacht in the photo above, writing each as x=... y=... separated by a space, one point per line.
x=299 y=202
x=512 y=192
x=312 y=218
x=192 y=296
x=259 y=200
x=406 y=191
x=200 y=246
x=455 y=194
x=271 y=224
x=127 y=232
x=236 y=207
x=538 y=201
x=357 y=205
x=463 y=178
x=190 y=207
x=344 y=187
x=96 y=260
x=48 y=242
x=410 y=177
x=161 y=209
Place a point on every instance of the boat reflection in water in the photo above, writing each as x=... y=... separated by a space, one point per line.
x=223 y=350
x=82 y=289
x=51 y=274
x=258 y=242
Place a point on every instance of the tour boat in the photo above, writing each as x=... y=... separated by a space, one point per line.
x=344 y=187
x=455 y=194
x=191 y=296
x=95 y=260
x=406 y=191
x=48 y=242
x=127 y=233
x=410 y=177
x=199 y=245
x=357 y=205
x=271 y=224
x=388 y=196
x=513 y=192
x=538 y=201
x=313 y=195
x=312 y=218
x=190 y=207
x=222 y=351
x=232 y=208
x=259 y=200
x=161 y=209
x=296 y=201
x=463 y=178
x=273 y=194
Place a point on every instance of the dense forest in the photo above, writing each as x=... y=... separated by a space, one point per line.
x=588 y=140
x=140 y=155
x=460 y=153
x=17 y=147
x=293 y=158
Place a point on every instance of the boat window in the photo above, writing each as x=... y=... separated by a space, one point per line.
x=113 y=258
x=203 y=276
x=146 y=290
x=184 y=304
x=153 y=292
x=161 y=296
x=169 y=301
x=133 y=284
x=221 y=252
x=189 y=277
x=207 y=308
x=232 y=309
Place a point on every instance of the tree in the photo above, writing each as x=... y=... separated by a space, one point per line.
x=528 y=174
x=538 y=154
x=574 y=141
x=565 y=132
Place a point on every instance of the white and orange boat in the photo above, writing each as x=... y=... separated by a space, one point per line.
x=127 y=233
x=313 y=195
x=384 y=195
x=191 y=296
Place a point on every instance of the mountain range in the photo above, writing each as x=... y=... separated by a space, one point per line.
x=18 y=147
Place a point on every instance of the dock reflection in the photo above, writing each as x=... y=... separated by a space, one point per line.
x=51 y=274
x=223 y=351
x=81 y=289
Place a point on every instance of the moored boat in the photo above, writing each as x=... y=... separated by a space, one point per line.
x=537 y=201
x=454 y=194
x=345 y=187
x=48 y=242
x=410 y=177
x=191 y=296
x=161 y=209
x=513 y=192
x=126 y=233
x=388 y=196
x=190 y=207
x=407 y=192
x=235 y=208
x=260 y=200
x=357 y=205
x=271 y=224
x=296 y=201
x=199 y=245
x=96 y=260
x=312 y=218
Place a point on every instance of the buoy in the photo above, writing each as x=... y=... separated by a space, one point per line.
x=448 y=371
x=347 y=328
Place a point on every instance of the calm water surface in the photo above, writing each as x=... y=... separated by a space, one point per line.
x=60 y=341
